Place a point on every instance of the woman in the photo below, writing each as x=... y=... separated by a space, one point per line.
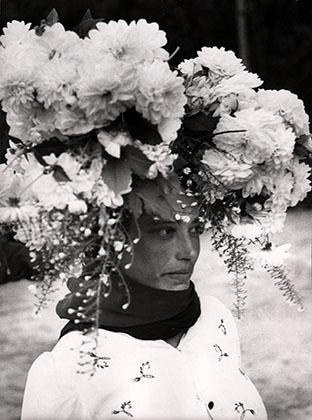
x=168 y=355
x=86 y=134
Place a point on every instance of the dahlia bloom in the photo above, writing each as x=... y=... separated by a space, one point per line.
x=134 y=43
x=161 y=157
x=288 y=106
x=160 y=93
x=105 y=89
x=258 y=137
x=233 y=174
x=301 y=183
x=219 y=62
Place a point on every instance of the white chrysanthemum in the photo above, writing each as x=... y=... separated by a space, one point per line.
x=161 y=157
x=240 y=83
x=17 y=85
x=235 y=93
x=258 y=183
x=104 y=196
x=18 y=66
x=51 y=194
x=150 y=38
x=16 y=204
x=302 y=184
x=71 y=120
x=285 y=139
x=200 y=93
x=18 y=213
x=190 y=67
x=44 y=185
x=113 y=142
x=47 y=65
x=168 y=129
x=160 y=93
x=231 y=173
x=20 y=123
x=280 y=199
x=80 y=181
x=77 y=207
x=31 y=123
x=105 y=89
x=55 y=81
x=134 y=43
x=61 y=42
x=17 y=33
x=21 y=54
x=288 y=106
x=259 y=132
x=220 y=62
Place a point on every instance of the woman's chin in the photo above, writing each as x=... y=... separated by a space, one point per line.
x=174 y=282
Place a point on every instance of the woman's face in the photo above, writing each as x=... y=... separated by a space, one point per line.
x=168 y=249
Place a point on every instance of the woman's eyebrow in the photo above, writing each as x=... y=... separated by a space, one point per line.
x=158 y=221
x=147 y=220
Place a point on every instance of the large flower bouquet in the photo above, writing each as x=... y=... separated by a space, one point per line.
x=92 y=112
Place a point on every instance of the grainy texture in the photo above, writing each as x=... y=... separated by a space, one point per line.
x=276 y=338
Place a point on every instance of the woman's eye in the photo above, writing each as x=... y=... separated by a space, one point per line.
x=164 y=232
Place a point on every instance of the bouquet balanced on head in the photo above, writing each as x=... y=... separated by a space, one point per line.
x=93 y=112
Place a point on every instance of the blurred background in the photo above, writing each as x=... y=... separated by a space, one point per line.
x=274 y=38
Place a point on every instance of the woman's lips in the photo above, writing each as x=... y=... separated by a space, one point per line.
x=179 y=274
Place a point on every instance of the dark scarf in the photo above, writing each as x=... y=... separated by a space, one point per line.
x=152 y=314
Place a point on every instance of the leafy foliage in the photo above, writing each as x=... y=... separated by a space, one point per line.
x=283 y=283
x=235 y=255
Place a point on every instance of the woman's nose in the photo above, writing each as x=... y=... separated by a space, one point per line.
x=187 y=248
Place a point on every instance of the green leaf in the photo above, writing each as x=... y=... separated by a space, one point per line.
x=200 y=123
x=52 y=18
x=137 y=161
x=135 y=205
x=87 y=23
x=153 y=198
x=141 y=129
x=117 y=176
x=87 y=15
x=59 y=174
x=303 y=152
x=169 y=185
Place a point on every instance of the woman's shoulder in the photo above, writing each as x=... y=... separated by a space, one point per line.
x=212 y=307
x=59 y=364
x=216 y=324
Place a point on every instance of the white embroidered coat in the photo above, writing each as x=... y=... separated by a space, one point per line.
x=200 y=379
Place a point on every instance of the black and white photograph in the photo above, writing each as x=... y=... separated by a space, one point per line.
x=155 y=209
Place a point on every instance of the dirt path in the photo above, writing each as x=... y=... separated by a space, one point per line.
x=276 y=339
